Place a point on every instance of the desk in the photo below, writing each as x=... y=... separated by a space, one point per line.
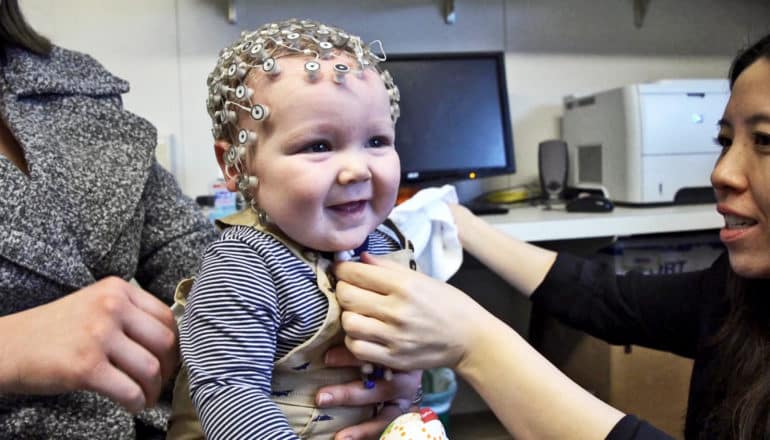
x=533 y=223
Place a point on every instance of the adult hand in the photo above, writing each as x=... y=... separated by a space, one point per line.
x=110 y=337
x=404 y=319
x=397 y=392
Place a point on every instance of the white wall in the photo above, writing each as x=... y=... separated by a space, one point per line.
x=166 y=48
x=135 y=39
x=537 y=84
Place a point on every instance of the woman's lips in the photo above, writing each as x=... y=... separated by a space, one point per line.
x=736 y=227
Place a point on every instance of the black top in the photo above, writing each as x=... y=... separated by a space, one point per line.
x=629 y=427
x=679 y=313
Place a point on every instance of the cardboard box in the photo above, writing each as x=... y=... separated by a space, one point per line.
x=664 y=254
x=648 y=383
x=651 y=384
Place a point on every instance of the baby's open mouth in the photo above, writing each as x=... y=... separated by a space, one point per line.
x=349 y=206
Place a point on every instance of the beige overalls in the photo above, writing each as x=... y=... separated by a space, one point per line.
x=299 y=374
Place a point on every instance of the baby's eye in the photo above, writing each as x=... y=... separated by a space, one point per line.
x=378 y=142
x=761 y=139
x=316 y=147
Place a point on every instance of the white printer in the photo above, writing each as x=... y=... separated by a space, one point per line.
x=646 y=143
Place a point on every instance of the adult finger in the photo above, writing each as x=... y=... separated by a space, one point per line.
x=359 y=326
x=376 y=274
x=375 y=260
x=139 y=365
x=152 y=305
x=340 y=356
x=155 y=336
x=115 y=384
x=360 y=300
x=355 y=394
x=370 y=351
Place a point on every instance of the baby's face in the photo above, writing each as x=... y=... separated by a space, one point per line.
x=325 y=158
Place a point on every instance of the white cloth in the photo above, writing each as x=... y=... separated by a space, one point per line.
x=425 y=219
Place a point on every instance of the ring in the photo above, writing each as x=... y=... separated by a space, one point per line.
x=417 y=400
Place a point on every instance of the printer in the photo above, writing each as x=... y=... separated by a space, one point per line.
x=647 y=143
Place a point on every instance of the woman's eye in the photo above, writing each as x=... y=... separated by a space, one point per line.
x=762 y=139
x=723 y=141
x=316 y=147
x=378 y=142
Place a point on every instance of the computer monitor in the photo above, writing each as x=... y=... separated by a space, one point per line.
x=455 y=123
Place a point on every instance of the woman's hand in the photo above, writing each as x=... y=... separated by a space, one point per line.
x=398 y=393
x=110 y=337
x=404 y=319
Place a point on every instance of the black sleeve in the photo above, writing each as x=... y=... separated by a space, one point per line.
x=664 y=312
x=631 y=428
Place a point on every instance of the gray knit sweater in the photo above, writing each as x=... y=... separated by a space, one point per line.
x=95 y=204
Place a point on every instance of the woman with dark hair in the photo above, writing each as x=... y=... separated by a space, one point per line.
x=84 y=208
x=720 y=316
x=15 y=32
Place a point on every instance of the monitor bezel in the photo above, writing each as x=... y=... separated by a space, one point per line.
x=502 y=87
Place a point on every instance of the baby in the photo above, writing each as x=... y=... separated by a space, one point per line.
x=304 y=123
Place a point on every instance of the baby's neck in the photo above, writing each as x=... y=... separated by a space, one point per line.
x=347 y=255
x=344 y=255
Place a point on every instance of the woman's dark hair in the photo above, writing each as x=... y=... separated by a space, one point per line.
x=743 y=372
x=760 y=49
x=15 y=32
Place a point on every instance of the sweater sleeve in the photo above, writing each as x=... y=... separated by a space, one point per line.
x=631 y=428
x=174 y=235
x=664 y=312
x=228 y=343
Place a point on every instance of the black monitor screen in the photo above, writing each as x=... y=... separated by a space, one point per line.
x=454 y=116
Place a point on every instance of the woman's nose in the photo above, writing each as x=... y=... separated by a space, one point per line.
x=729 y=173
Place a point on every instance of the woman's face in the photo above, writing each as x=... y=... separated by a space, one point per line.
x=741 y=176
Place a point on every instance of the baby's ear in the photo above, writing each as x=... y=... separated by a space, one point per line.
x=231 y=179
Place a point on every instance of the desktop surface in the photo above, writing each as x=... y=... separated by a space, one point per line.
x=534 y=223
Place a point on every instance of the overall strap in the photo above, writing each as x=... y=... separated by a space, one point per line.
x=389 y=227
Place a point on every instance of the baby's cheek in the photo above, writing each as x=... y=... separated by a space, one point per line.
x=388 y=180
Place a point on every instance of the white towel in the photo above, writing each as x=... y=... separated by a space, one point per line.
x=425 y=219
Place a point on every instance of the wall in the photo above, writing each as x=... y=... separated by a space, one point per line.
x=165 y=48
x=136 y=40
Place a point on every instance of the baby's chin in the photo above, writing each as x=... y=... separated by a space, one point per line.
x=346 y=245
x=342 y=242
x=334 y=238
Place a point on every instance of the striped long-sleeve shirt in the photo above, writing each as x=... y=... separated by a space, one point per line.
x=253 y=301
